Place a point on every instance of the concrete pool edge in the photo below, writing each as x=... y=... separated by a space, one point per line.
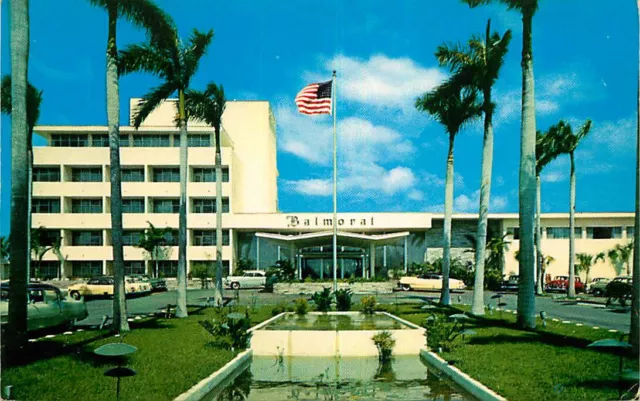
x=469 y=384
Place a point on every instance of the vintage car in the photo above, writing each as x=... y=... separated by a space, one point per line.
x=561 y=283
x=511 y=284
x=597 y=286
x=428 y=281
x=620 y=289
x=103 y=287
x=157 y=284
x=47 y=307
x=249 y=279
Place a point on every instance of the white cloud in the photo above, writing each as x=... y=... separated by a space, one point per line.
x=553 y=176
x=433 y=180
x=616 y=136
x=469 y=203
x=380 y=81
x=416 y=195
x=312 y=187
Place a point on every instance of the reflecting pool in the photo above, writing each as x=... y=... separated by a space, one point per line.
x=334 y=321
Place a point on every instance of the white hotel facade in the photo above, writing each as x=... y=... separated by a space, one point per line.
x=71 y=199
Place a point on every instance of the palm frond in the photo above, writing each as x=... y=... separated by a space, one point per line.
x=159 y=26
x=519 y=5
x=197 y=47
x=151 y=100
x=144 y=57
x=6 y=94
x=34 y=100
x=451 y=105
x=453 y=55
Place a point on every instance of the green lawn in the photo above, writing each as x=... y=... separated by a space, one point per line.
x=549 y=363
x=173 y=355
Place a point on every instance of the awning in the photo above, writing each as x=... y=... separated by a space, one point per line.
x=344 y=239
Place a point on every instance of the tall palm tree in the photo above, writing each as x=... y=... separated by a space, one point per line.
x=634 y=335
x=585 y=261
x=478 y=66
x=453 y=107
x=527 y=184
x=159 y=28
x=34 y=100
x=17 y=319
x=209 y=106
x=567 y=142
x=153 y=243
x=175 y=63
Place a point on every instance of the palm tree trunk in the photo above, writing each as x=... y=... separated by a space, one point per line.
x=29 y=195
x=539 y=261
x=634 y=335
x=218 y=287
x=572 y=224
x=120 y=323
x=527 y=184
x=445 y=297
x=477 y=307
x=181 y=308
x=20 y=247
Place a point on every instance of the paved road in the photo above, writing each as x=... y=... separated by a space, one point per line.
x=588 y=314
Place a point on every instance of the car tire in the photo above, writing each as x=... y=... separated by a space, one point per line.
x=75 y=295
x=597 y=293
x=406 y=287
x=235 y=285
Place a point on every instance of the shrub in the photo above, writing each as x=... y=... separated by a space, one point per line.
x=440 y=333
x=230 y=331
x=385 y=343
x=343 y=299
x=278 y=309
x=368 y=304
x=242 y=265
x=322 y=299
x=301 y=306
x=200 y=271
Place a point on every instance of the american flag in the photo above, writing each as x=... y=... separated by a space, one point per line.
x=315 y=98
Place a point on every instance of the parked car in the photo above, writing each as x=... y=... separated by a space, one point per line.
x=621 y=289
x=428 y=281
x=103 y=287
x=561 y=283
x=157 y=284
x=249 y=279
x=597 y=286
x=511 y=284
x=47 y=307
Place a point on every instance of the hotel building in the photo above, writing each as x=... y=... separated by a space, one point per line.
x=71 y=199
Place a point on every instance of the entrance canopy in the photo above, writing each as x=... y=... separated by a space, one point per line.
x=344 y=238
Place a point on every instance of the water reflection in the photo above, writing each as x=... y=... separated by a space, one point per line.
x=336 y=322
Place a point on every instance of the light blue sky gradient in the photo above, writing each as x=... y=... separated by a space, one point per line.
x=391 y=157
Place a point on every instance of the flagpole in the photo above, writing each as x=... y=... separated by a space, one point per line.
x=335 y=188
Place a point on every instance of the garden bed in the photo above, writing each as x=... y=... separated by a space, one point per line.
x=373 y=287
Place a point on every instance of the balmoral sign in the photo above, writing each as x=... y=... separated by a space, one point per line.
x=296 y=221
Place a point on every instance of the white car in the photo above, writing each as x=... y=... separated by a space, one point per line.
x=428 y=281
x=249 y=279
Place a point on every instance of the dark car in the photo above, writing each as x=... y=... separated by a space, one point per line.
x=620 y=289
x=157 y=284
x=511 y=284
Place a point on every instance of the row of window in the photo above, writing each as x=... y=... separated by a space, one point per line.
x=129 y=205
x=136 y=140
x=93 y=268
x=129 y=174
x=592 y=232
x=133 y=237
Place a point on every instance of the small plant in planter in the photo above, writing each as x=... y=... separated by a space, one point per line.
x=368 y=304
x=301 y=307
x=230 y=331
x=385 y=342
x=343 y=299
x=322 y=299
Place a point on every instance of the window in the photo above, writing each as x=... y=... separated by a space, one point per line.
x=167 y=268
x=134 y=267
x=86 y=174
x=514 y=232
x=208 y=237
x=194 y=141
x=46 y=174
x=133 y=174
x=46 y=237
x=562 y=232
x=166 y=205
x=209 y=205
x=166 y=174
x=86 y=205
x=86 y=238
x=131 y=237
x=630 y=231
x=41 y=205
x=74 y=141
x=151 y=141
x=86 y=269
x=208 y=174
x=133 y=205
x=604 y=232
x=45 y=269
x=124 y=141
x=100 y=140
x=171 y=238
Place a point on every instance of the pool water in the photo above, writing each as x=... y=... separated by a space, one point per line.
x=310 y=378
x=332 y=322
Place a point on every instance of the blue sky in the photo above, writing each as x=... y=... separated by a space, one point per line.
x=391 y=157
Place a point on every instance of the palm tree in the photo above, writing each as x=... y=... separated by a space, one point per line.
x=17 y=319
x=175 y=63
x=5 y=248
x=209 y=106
x=478 y=66
x=453 y=107
x=567 y=142
x=634 y=335
x=585 y=261
x=153 y=243
x=527 y=195
x=159 y=27
x=619 y=256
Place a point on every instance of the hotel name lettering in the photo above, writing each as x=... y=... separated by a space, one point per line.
x=295 y=221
